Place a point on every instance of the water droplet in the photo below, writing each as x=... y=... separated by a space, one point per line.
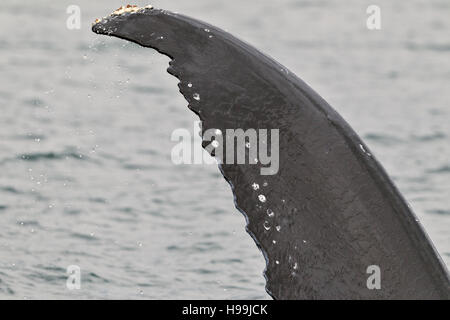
x=277 y=262
x=206 y=30
x=196 y=96
x=215 y=143
x=255 y=186
x=266 y=225
x=284 y=70
x=278 y=228
x=270 y=213
x=304 y=241
x=189 y=85
x=218 y=132
x=295 y=266
x=247 y=145
x=262 y=198
x=364 y=150
x=274 y=241
x=265 y=184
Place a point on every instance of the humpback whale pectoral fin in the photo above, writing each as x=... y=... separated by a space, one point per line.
x=329 y=212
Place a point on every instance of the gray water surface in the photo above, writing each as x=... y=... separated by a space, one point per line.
x=86 y=176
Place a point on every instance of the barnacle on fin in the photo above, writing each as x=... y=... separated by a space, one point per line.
x=125 y=9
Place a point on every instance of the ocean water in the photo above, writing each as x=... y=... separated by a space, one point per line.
x=86 y=176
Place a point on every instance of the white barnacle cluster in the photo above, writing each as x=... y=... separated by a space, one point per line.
x=124 y=9
x=129 y=9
